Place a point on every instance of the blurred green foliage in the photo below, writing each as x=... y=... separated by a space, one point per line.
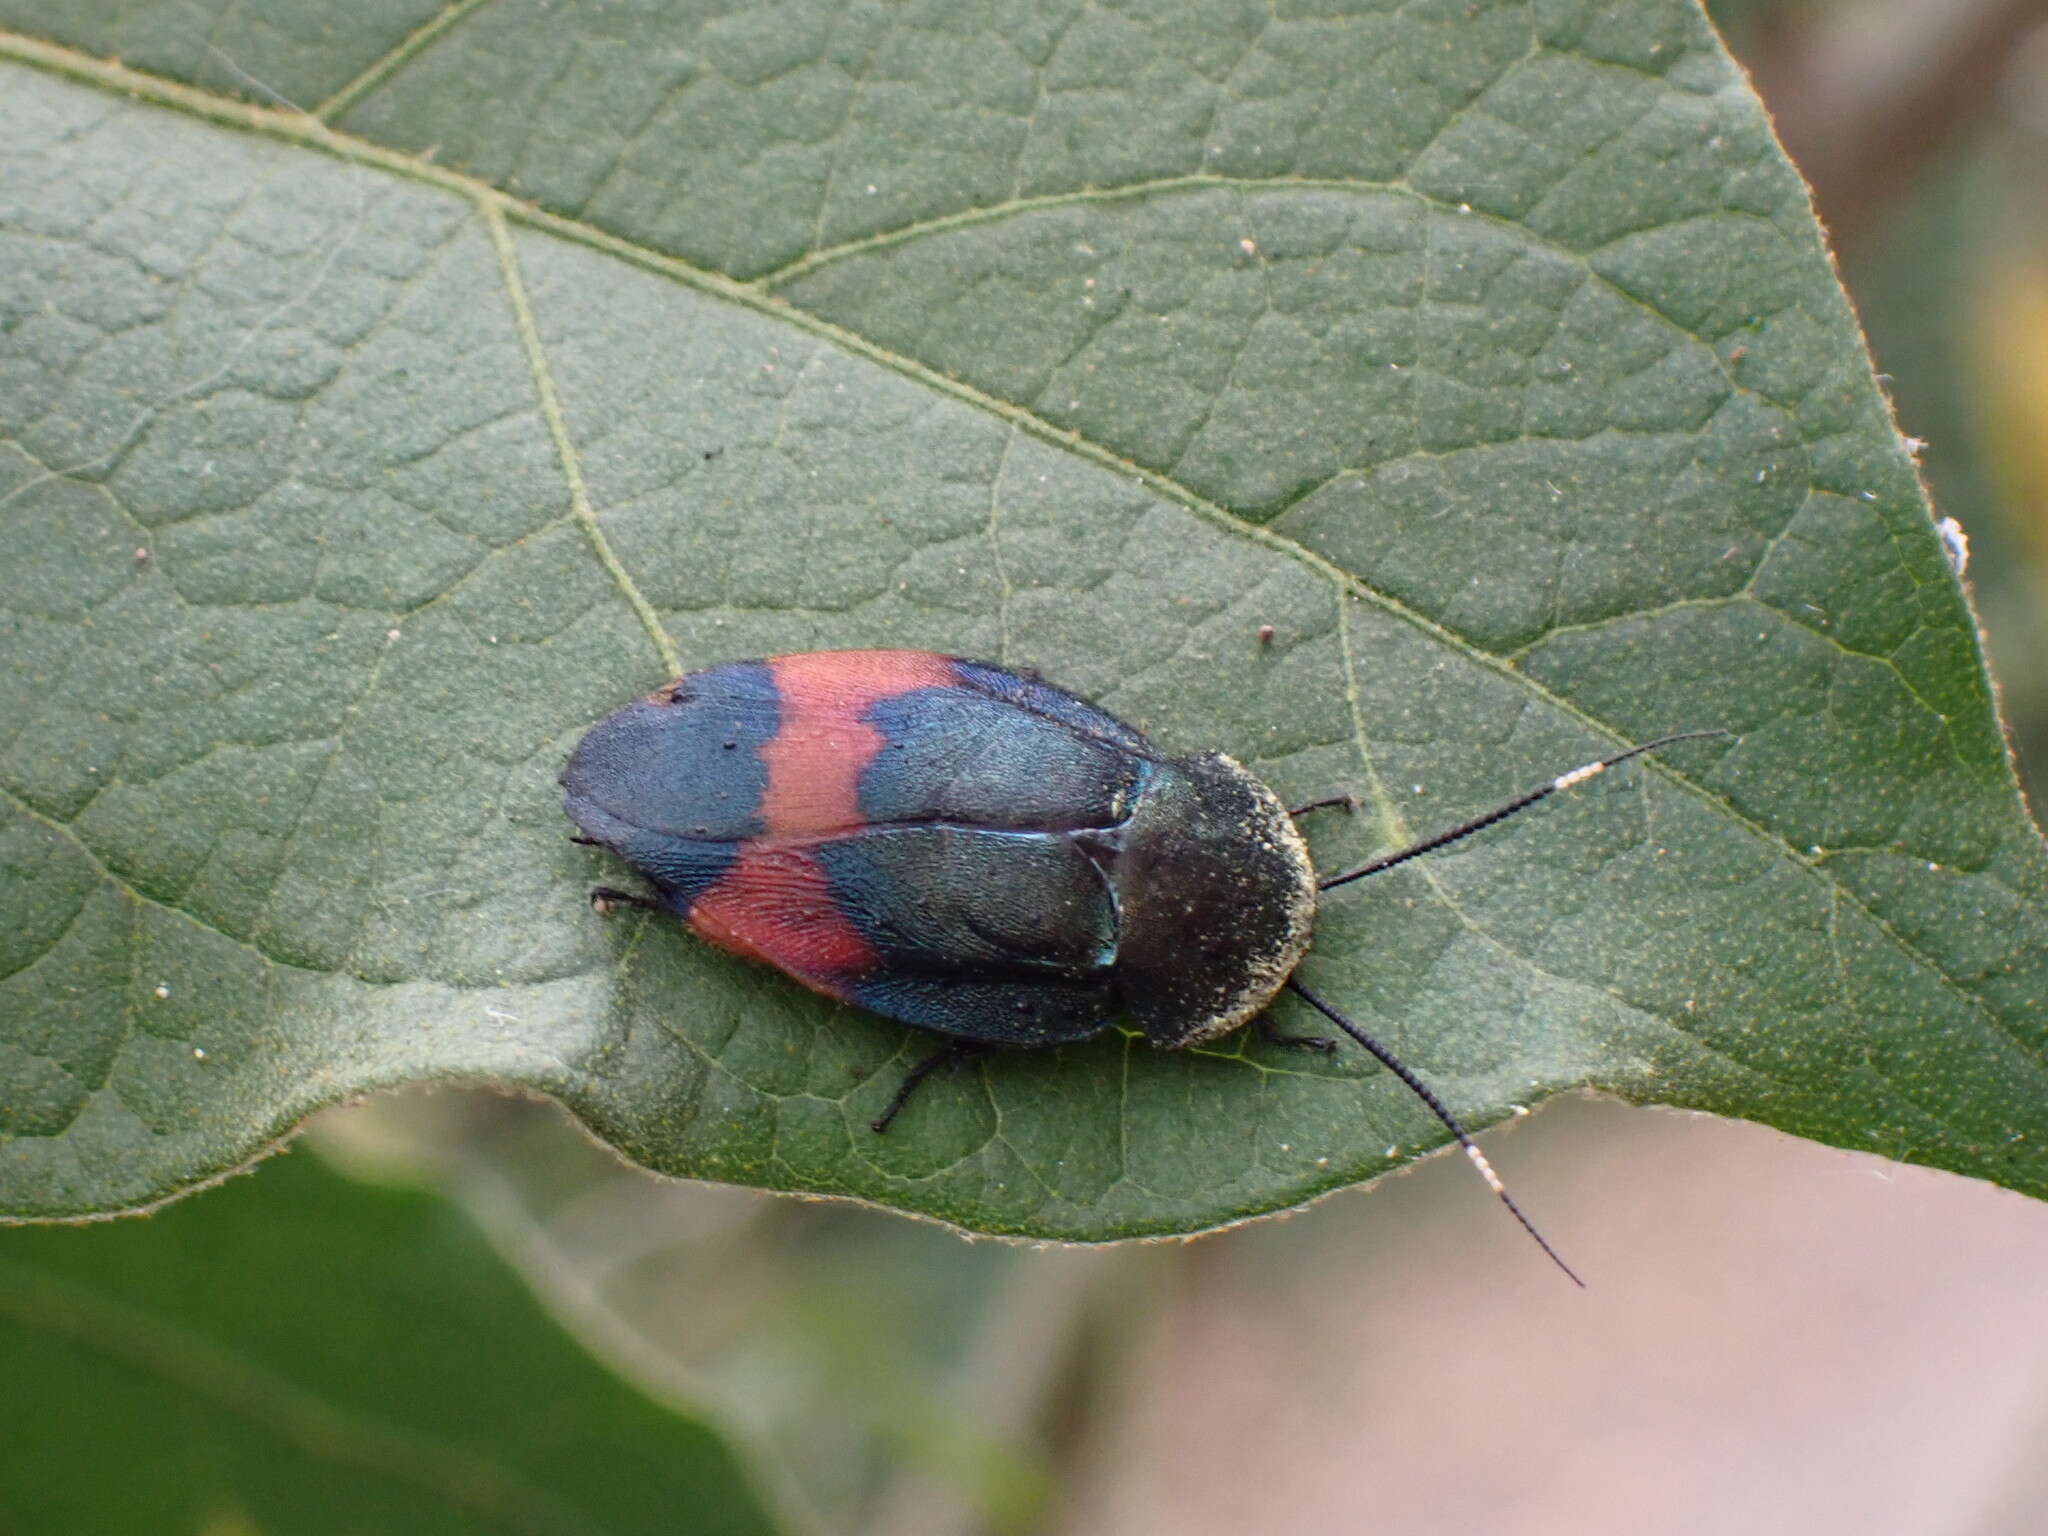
x=302 y=1352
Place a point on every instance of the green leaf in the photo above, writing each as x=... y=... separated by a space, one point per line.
x=302 y=1353
x=1490 y=354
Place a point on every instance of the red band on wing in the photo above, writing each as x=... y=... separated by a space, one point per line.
x=775 y=905
x=822 y=744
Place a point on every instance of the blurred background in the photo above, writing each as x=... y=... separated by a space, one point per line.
x=1779 y=1338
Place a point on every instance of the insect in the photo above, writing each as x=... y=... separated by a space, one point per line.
x=975 y=852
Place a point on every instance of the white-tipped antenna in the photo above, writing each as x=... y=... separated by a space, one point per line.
x=1421 y=1090
x=1500 y=812
x=1385 y=1057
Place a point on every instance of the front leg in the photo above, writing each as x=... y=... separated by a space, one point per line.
x=1349 y=803
x=1270 y=1031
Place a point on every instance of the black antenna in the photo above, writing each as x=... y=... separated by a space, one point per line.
x=1421 y=1090
x=1501 y=812
x=1385 y=1057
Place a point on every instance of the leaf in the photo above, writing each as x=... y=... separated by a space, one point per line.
x=303 y=1353
x=1490 y=355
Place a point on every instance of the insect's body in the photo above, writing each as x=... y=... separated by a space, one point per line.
x=972 y=851
x=952 y=845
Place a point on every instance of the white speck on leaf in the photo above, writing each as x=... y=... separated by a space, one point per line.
x=1956 y=543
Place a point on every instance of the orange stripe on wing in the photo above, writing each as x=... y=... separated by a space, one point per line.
x=822 y=744
x=775 y=905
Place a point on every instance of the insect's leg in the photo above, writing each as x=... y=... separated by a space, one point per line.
x=604 y=897
x=1327 y=802
x=587 y=842
x=1270 y=1031
x=949 y=1054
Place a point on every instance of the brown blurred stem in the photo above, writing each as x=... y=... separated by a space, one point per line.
x=1865 y=94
